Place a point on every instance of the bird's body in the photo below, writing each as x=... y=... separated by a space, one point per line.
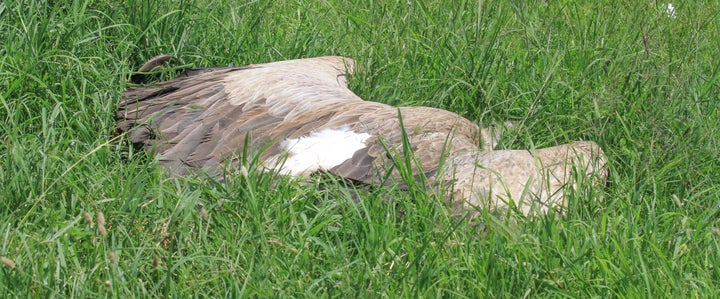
x=302 y=118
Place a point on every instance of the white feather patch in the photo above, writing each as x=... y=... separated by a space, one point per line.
x=324 y=149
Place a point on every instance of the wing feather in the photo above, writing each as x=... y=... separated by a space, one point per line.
x=202 y=118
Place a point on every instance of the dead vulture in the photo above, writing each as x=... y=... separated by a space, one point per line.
x=301 y=118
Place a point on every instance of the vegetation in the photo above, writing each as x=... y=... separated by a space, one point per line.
x=640 y=81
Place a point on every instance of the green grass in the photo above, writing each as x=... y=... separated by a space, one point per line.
x=643 y=85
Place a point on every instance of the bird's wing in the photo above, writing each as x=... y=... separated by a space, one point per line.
x=202 y=118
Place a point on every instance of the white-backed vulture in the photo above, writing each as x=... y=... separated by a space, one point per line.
x=304 y=119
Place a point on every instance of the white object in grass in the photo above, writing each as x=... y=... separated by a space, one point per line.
x=670 y=10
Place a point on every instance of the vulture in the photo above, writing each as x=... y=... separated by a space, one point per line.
x=300 y=117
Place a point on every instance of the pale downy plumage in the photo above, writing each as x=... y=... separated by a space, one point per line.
x=302 y=116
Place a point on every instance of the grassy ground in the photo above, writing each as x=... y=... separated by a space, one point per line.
x=642 y=84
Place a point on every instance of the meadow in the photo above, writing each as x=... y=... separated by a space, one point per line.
x=83 y=214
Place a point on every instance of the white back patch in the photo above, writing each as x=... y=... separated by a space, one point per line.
x=321 y=150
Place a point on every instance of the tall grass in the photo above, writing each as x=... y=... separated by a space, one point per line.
x=642 y=84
